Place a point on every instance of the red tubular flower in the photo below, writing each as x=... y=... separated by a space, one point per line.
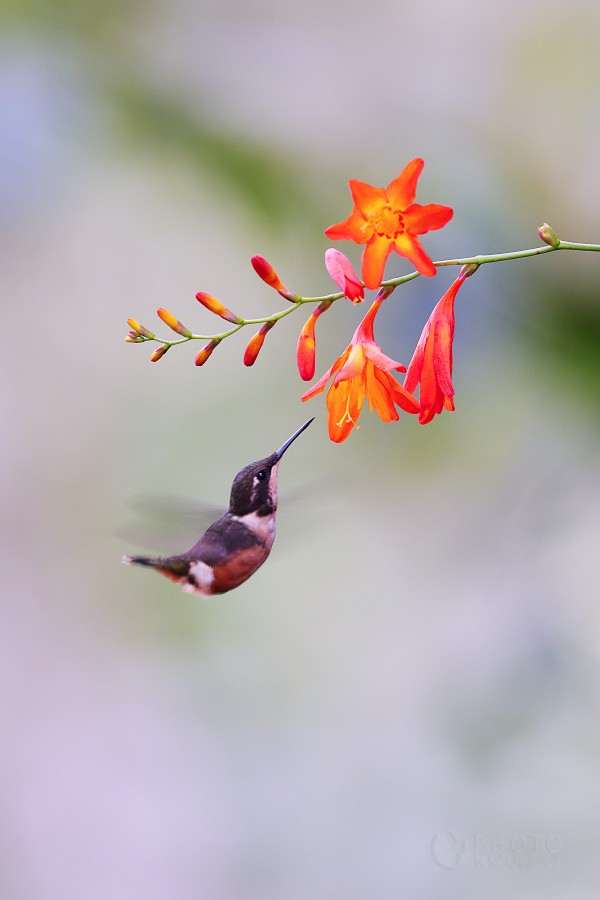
x=362 y=371
x=431 y=365
x=389 y=219
x=340 y=269
x=255 y=343
x=306 y=348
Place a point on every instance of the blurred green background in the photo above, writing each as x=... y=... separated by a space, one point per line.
x=405 y=701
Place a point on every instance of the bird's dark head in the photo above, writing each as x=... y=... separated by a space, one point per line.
x=254 y=489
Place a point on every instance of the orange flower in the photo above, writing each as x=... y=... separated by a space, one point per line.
x=362 y=371
x=389 y=219
x=431 y=365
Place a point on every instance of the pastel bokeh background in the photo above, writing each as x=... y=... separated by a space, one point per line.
x=405 y=701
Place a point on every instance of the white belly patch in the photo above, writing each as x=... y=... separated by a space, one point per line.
x=203 y=578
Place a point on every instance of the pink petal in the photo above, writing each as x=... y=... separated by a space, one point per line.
x=340 y=268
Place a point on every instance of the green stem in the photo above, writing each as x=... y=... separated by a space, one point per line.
x=391 y=282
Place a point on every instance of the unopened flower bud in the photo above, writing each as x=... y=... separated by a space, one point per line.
x=255 y=344
x=140 y=329
x=216 y=307
x=133 y=337
x=170 y=320
x=266 y=271
x=306 y=347
x=548 y=235
x=268 y=274
x=159 y=353
x=206 y=352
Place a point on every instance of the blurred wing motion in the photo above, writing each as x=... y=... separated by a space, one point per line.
x=168 y=523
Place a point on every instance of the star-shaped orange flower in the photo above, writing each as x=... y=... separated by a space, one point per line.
x=389 y=219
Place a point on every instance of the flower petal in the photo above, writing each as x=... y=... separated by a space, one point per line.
x=344 y=404
x=421 y=219
x=428 y=380
x=320 y=384
x=374 y=259
x=402 y=190
x=415 y=366
x=442 y=356
x=409 y=246
x=367 y=199
x=354 y=365
x=379 y=359
x=405 y=400
x=380 y=393
x=340 y=268
x=354 y=228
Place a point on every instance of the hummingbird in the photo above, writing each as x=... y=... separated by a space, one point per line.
x=237 y=543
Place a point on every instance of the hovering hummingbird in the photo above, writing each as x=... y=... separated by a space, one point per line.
x=233 y=547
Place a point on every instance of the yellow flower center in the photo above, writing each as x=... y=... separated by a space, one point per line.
x=387 y=222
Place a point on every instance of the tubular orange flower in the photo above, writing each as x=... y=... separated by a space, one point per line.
x=340 y=268
x=306 y=348
x=362 y=371
x=389 y=219
x=431 y=365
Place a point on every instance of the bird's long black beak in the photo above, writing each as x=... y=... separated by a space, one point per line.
x=279 y=453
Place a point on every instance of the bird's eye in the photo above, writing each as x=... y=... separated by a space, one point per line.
x=260 y=476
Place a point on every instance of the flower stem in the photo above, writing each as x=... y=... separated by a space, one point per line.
x=391 y=282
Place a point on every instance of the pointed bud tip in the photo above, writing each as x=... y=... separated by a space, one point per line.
x=265 y=270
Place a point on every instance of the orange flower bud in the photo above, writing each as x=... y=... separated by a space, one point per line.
x=170 y=320
x=266 y=271
x=206 y=352
x=548 y=235
x=306 y=347
x=159 y=353
x=255 y=343
x=140 y=329
x=216 y=307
